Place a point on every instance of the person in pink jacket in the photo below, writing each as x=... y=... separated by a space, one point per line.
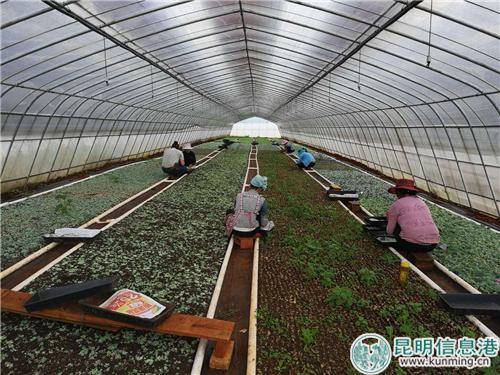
x=410 y=220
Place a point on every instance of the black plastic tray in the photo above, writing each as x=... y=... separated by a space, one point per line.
x=472 y=304
x=383 y=240
x=342 y=192
x=372 y=228
x=379 y=233
x=58 y=295
x=91 y=304
x=378 y=217
x=380 y=225
x=53 y=238
x=341 y=197
x=376 y=220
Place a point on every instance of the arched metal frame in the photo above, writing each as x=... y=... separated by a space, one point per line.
x=87 y=83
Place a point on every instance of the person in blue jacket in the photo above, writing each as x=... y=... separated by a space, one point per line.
x=306 y=160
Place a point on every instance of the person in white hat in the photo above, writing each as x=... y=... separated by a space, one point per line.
x=189 y=156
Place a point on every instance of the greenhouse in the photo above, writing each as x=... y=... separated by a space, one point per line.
x=256 y=187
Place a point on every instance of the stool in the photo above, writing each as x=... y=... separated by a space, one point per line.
x=354 y=206
x=245 y=242
x=221 y=356
x=423 y=261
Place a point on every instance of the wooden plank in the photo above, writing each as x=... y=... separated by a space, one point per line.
x=196 y=326
x=13 y=301
x=176 y=324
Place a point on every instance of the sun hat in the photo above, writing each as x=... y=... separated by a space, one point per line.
x=284 y=142
x=403 y=184
x=259 y=182
x=187 y=146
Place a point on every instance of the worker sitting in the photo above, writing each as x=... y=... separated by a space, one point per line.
x=189 y=156
x=306 y=160
x=225 y=144
x=410 y=220
x=249 y=216
x=173 y=161
x=287 y=146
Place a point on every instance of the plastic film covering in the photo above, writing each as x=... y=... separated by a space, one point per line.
x=89 y=83
x=410 y=88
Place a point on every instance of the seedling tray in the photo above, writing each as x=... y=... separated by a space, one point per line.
x=386 y=240
x=472 y=304
x=91 y=305
x=59 y=295
x=379 y=233
x=376 y=220
x=71 y=235
x=379 y=225
x=372 y=228
x=342 y=192
x=343 y=195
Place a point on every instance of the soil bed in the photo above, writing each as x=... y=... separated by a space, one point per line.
x=171 y=249
x=473 y=250
x=264 y=143
x=323 y=282
x=252 y=173
x=24 y=223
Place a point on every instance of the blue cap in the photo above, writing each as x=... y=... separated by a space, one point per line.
x=259 y=182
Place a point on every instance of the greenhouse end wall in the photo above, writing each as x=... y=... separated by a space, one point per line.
x=463 y=180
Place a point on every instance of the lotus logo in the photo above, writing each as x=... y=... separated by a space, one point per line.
x=370 y=354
